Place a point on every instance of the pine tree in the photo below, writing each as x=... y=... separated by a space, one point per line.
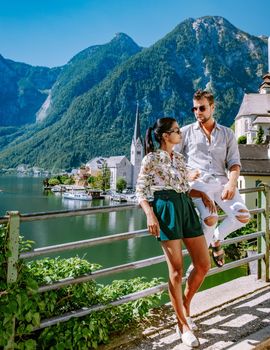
x=259 y=138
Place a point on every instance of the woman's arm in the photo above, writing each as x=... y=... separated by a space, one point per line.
x=142 y=192
x=152 y=221
x=206 y=200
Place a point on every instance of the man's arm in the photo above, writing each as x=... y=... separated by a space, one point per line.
x=230 y=187
x=233 y=165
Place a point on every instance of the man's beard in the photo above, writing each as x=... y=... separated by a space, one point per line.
x=204 y=120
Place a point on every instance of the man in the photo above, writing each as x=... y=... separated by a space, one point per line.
x=211 y=150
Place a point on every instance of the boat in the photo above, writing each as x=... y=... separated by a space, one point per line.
x=81 y=196
x=74 y=188
x=132 y=198
x=57 y=188
x=118 y=198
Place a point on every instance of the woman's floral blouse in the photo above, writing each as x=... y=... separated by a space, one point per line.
x=160 y=172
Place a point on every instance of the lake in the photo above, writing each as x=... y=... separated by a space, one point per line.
x=25 y=194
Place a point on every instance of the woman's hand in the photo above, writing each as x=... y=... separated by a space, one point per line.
x=153 y=224
x=152 y=221
x=208 y=203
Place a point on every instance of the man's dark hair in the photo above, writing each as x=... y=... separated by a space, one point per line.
x=199 y=94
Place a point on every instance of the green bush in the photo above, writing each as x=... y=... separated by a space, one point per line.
x=242 y=140
x=53 y=181
x=121 y=184
x=238 y=250
x=22 y=301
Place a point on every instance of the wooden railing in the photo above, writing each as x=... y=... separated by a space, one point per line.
x=14 y=219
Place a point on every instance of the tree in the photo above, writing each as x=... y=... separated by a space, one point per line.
x=121 y=184
x=53 y=181
x=106 y=175
x=95 y=181
x=242 y=140
x=259 y=137
x=91 y=180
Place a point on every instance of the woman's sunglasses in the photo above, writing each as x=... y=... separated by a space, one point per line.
x=176 y=130
x=200 y=108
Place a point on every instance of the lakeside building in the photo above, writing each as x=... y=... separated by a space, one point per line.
x=121 y=166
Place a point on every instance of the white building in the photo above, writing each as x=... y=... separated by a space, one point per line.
x=254 y=112
x=255 y=161
x=120 y=166
x=95 y=165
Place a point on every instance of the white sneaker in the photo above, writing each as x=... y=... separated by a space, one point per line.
x=188 y=338
x=192 y=325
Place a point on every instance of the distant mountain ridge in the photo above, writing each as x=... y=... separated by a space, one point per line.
x=23 y=90
x=93 y=101
x=86 y=69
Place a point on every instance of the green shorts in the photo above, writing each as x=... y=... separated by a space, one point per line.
x=176 y=215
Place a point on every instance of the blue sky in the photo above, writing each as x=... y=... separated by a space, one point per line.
x=50 y=32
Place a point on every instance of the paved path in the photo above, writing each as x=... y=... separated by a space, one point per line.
x=235 y=316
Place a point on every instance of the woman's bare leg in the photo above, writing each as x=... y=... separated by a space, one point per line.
x=173 y=253
x=198 y=251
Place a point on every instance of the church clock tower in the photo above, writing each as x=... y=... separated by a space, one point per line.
x=136 y=149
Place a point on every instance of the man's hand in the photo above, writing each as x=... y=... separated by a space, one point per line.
x=229 y=191
x=193 y=174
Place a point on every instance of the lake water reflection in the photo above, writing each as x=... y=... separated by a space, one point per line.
x=26 y=195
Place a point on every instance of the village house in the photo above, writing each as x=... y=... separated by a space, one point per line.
x=121 y=166
x=255 y=160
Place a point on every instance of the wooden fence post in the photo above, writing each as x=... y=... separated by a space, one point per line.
x=13 y=248
x=265 y=242
x=259 y=239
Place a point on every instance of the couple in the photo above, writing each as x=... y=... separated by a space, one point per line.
x=210 y=151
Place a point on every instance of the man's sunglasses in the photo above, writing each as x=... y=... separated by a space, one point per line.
x=200 y=108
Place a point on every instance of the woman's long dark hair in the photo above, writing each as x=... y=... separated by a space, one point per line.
x=161 y=125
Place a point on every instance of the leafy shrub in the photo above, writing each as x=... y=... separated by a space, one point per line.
x=242 y=140
x=22 y=301
x=238 y=250
x=53 y=181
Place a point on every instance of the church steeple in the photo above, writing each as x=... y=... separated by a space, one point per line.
x=136 y=149
x=265 y=85
x=137 y=129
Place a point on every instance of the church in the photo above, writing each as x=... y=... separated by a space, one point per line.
x=254 y=112
x=121 y=166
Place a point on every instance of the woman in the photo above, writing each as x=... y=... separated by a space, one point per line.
x=172 y=218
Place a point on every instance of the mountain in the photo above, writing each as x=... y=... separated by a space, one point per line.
x=84 y=71
x=208 y=52
x=79 y=75
x=24 y=88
